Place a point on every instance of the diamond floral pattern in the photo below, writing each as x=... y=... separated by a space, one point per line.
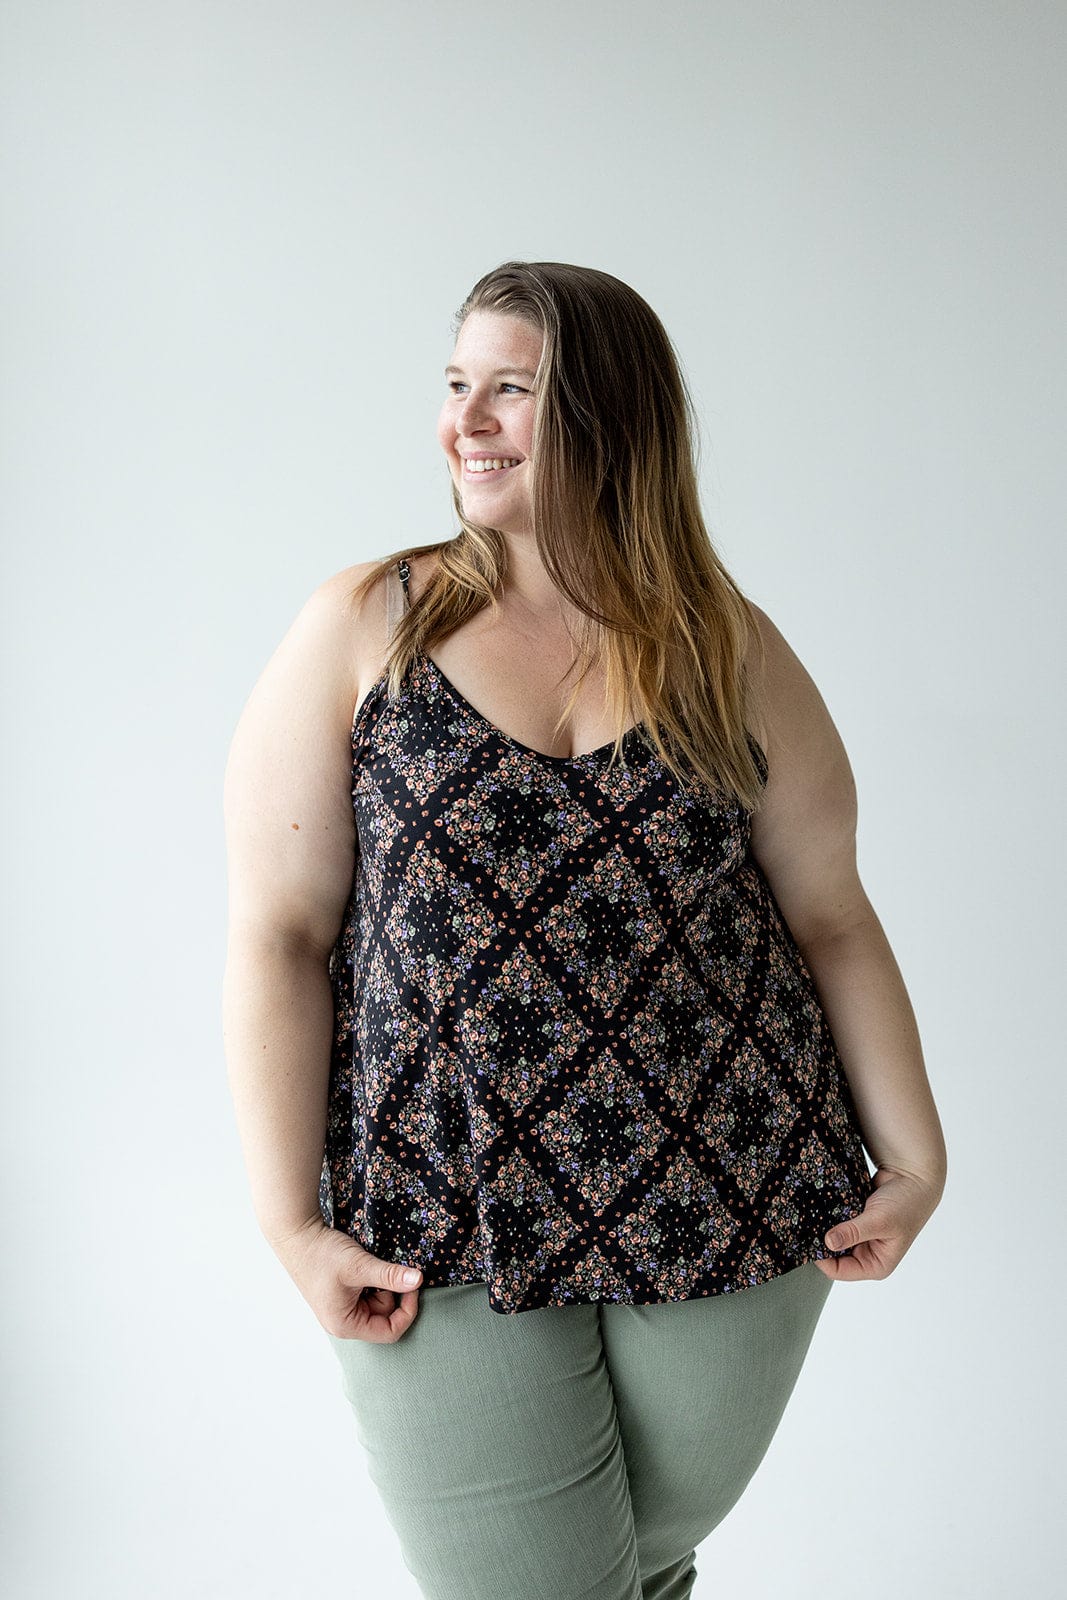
x=577 y=1054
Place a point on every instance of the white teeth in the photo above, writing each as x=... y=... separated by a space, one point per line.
x=493 y=465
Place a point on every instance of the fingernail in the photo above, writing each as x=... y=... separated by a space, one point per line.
x=412 y=1275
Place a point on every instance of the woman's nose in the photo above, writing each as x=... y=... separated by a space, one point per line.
x=475 y=411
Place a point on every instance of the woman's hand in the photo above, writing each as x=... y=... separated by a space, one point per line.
x=899 y=1207
x=353 y=1294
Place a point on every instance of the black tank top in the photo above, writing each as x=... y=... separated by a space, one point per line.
x=577 y=1054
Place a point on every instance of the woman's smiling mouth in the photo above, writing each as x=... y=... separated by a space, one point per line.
x=489 y=466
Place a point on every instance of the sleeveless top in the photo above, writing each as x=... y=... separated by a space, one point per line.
x=577 y=1054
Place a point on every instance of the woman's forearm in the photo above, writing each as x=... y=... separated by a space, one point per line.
x=277 y=1028
x=873 y=1024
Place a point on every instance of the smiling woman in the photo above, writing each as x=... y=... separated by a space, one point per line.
x=582 y=534
x=487 y=422
x=566 y=997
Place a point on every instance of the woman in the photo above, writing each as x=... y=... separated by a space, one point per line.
x=551 y=980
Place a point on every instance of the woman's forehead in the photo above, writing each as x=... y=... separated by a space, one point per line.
x=497 y=335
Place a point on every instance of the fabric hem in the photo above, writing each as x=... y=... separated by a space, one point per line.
x=698 y=1290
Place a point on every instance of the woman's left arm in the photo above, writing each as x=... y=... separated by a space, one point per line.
x=804 y=839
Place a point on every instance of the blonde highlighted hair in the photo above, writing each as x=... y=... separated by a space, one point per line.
x=618 y=525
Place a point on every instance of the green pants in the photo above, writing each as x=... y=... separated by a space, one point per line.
x=573 y=1450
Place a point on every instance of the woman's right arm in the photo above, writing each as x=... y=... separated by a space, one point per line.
x=291 y=845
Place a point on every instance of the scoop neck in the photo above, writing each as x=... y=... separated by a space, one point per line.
x=506 y=738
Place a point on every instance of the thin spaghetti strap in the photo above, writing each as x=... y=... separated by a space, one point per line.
x=396 y=595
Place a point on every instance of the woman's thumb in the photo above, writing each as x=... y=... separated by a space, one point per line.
x=375 y=1274
x=855 y=1230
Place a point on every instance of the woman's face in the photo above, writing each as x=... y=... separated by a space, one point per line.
x=489 y=414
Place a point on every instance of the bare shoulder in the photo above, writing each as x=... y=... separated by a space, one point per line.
x=346 y=620
x=804 y=834
x=342 y=606
x=792 y=713
x=343 y=625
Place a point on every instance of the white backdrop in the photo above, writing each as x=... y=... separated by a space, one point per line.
x=235 y=234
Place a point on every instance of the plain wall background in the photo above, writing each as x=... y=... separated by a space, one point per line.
x=235 y=234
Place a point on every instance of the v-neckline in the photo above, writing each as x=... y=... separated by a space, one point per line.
x=542 y=755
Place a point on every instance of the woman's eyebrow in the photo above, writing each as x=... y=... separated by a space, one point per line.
x=501 y=372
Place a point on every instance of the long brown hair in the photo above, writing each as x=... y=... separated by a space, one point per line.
x=618 y=525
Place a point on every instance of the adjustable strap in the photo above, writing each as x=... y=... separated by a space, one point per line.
x=396 y=596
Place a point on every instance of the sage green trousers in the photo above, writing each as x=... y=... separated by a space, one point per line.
x=573 y=1451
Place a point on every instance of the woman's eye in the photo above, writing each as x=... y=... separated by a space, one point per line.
x=457 y=384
